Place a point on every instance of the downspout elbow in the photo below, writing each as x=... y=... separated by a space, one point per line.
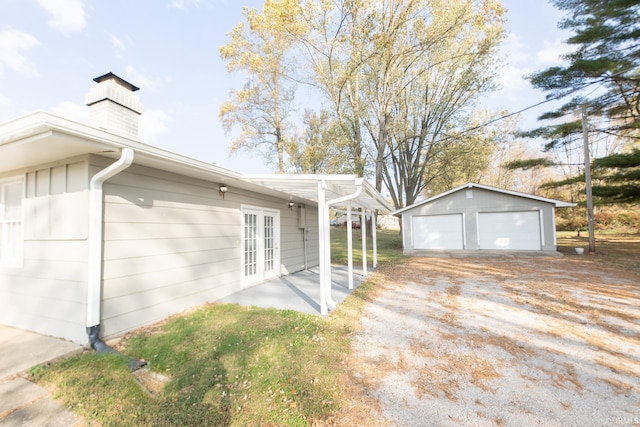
x=125 y=160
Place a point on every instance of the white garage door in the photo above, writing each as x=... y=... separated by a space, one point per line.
x=437 y=232
x=509 y=230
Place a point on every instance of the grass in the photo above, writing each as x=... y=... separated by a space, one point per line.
x=389 y=246
x=613 y=249
x=227 y=365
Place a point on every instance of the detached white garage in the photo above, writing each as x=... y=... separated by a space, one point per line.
x=479 y=217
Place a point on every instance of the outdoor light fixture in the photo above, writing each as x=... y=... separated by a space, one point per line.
x=221 y=190
x=291 y=204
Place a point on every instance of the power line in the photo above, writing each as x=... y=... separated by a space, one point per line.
x=506 y=116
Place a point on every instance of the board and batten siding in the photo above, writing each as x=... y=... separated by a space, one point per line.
x=172 y=242
x=47 y=294
x=470 y=202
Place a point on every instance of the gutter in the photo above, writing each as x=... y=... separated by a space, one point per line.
x=96 y=237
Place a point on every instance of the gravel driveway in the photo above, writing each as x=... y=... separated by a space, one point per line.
x=503 y=341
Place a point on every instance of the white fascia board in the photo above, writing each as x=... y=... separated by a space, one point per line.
x=98 y=141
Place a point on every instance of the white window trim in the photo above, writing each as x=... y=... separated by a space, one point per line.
x=18 y=261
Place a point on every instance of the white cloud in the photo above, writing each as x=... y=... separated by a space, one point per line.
x=152 y=124
x=4 y=101
x=182 y=4
x=552 y=52
x=72 y=110
x=13 y=44
x=117 y=42
x=68 y=16
x=144 y=82
x=515 y=49
x=511 y=78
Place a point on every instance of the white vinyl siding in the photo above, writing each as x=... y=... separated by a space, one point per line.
x=438 y=232
x=172 y=242
x=48 y=293
x=509 y=230
x=11 y=222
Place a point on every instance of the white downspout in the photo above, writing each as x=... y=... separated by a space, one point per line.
x=94 y=284
x=321 y=243
x=342 y=199
x=374 y=238
x=363 y=228
x=349 y=246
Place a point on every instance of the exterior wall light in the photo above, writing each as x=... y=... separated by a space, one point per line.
x=291 y=204
x=221 y=190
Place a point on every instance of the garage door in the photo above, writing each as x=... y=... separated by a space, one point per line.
x=509 y=230
x=437 y=232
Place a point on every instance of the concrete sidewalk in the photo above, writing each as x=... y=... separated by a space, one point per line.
x=23 y=403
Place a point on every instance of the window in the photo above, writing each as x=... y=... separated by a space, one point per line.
x=11 y=237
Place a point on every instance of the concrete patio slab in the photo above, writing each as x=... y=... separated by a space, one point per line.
x=298 y=291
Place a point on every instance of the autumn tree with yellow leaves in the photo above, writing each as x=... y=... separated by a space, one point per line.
x=398 y=78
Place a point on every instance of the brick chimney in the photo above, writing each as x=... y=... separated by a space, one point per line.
x=114 y=105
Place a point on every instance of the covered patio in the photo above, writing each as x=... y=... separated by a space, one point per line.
x=346 y=193
x=298 y=291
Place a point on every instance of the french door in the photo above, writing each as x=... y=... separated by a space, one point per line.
x=260 y=244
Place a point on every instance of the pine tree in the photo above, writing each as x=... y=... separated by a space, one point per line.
x=620 y=177
x=607 y=41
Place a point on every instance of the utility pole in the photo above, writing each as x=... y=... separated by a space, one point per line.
x=587 y=178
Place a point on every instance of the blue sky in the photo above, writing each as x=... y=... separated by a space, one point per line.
x=50 y=50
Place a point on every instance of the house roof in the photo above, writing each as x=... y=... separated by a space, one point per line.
x=39 y=138
x=557 y=203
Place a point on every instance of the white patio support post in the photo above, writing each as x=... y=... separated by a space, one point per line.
x=347 y=199
x=374 y=238
x=327 y=256
x=321 y=245
x=363 y=228
x=349 y=246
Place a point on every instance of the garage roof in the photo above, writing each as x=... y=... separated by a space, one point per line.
x=556 y=203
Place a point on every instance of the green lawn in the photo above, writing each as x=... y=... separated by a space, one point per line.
x=228 y=365
x=389 y=246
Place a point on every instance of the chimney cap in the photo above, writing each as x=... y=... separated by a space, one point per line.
x=122 y=82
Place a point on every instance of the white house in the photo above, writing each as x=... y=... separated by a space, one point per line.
x=480 y=217
x=100 y=233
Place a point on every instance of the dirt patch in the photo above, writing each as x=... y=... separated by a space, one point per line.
x=502 y=341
